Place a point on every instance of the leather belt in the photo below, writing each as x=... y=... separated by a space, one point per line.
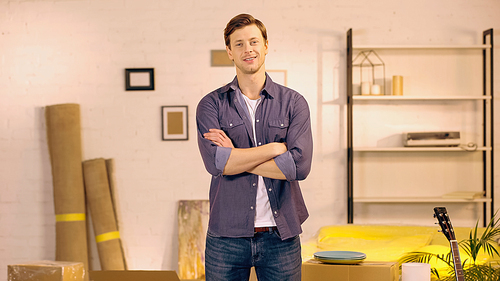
x=265 y=229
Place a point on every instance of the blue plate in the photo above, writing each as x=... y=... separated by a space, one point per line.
x=347 y=257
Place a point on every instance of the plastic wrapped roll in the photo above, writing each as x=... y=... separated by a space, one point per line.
x=65 y=149
x=193 y=223
x=103 y=215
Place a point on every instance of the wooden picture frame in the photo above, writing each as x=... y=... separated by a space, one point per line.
x=174 y=123
x=139 y=79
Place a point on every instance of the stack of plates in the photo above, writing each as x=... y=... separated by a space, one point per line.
x=343 y=257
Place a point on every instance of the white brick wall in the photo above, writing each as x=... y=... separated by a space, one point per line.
x=76 y=51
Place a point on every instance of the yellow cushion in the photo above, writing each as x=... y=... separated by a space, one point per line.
x=378 y=242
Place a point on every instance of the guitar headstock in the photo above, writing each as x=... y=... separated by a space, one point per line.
x=444 y=221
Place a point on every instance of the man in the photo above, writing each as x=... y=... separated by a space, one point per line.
x=255 y=140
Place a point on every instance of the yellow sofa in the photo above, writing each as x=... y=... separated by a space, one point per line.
x=388 y=242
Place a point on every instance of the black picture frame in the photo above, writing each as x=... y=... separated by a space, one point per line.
x=139 y=79
x=174 y=123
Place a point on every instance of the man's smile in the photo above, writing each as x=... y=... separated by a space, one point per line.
x=250 y=59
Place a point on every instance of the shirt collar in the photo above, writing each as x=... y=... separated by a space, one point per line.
x=267 y=92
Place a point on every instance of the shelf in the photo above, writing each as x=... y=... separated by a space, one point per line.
x=417 y=200
x=421 y=149
x=423 y=47
x=418 y=98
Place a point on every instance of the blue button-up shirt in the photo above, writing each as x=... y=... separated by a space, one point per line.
x=282 y=116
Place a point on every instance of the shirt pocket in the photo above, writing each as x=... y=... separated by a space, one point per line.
x=278 y=130
x=235 y=130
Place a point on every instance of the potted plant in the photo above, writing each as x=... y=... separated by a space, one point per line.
x=473 y=246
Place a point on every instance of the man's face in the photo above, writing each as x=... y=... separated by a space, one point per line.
x=248 y=49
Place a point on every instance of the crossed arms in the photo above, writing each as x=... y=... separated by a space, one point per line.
x=256 y=160
x=219 y=127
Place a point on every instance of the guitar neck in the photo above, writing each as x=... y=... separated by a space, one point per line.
x=459 y=273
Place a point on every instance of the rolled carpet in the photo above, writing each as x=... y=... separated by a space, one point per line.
x=103 y=215
x=65 y=150
x=110 y=168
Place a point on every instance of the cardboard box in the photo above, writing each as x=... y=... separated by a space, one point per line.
x=46 y=271
x=133 y=275
x=313 y=270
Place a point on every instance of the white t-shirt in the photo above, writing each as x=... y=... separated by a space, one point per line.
x=263 y=213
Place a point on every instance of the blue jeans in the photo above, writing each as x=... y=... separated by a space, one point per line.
x=230 y=259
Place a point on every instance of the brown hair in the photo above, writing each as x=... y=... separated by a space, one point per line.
x=241 y=21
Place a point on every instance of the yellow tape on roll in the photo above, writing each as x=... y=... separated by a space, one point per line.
x=70 y=217
x=107 y=236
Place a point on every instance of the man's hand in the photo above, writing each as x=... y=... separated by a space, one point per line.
x=219 y=138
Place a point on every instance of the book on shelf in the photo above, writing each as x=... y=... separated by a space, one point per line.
x=464 y=195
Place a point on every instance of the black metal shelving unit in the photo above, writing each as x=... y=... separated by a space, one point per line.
x=488 y=69
x=488 y=130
